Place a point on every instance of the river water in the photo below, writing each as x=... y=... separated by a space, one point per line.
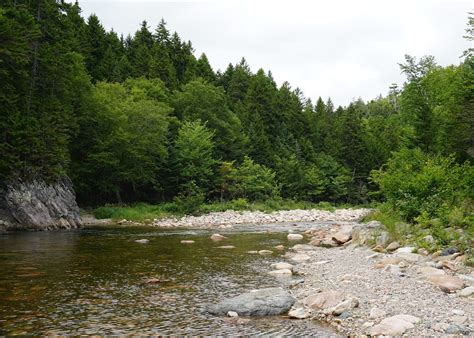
x=91 y=281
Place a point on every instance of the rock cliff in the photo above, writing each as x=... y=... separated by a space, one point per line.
x=38 y=205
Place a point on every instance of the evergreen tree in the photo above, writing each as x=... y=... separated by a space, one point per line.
x=95 y=48
x=139 y=52
x=204 y=69
x=258 y=117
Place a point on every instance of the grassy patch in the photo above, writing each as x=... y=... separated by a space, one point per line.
x=397 y=229
x=430 y=234
x=140 y=212
x=143 y=212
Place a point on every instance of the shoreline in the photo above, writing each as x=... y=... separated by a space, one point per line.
x=229 y=218
x=359 y=291
x=377 y=286
x=352 y=277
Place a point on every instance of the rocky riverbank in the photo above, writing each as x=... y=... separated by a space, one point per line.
x=230 y=217
x=391 y=291
x=349 y=275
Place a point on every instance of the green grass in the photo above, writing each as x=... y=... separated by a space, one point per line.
x=140 y=212
x=397 y=229
x=143 y=212
x=444 y=234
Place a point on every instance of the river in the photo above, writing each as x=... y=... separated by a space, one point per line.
x=91 y=281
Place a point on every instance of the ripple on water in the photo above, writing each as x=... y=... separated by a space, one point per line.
x=92 y=282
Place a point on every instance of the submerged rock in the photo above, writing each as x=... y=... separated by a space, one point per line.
x=328 y=242
x=156 y=280
x=302 y=247
x=263 y=302
x=142 y=241
x=226 y=247
x=218 y=237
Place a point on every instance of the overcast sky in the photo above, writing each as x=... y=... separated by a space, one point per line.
x=342 y=49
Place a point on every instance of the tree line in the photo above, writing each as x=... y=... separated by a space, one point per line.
x=141 y=118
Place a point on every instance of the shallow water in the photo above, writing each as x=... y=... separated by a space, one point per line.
x=92 y=282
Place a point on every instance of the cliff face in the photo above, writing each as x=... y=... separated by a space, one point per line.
x=38 y=205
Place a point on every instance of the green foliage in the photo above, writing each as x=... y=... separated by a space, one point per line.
x=140 y=212
x=323 y=180
x=193 y=158
x=141 y=118
x=43 y=82
x=253 y=181
x=189 y=202
x=392 y=222
x=143 y=212
x=201 y=100
x=415 y=183
x=122 y=145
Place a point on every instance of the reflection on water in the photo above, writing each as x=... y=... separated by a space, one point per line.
x=92 y=282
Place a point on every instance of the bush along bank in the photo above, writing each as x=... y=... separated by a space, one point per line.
x=428 y=202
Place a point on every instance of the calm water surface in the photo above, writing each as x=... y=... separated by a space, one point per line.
x=92 y=282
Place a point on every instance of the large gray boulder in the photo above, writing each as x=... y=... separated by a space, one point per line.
x=39 y=205
x=263 y=302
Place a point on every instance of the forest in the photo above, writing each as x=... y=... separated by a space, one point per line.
x=143 y=119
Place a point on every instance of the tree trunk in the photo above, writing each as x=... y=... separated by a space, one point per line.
x=119 y=198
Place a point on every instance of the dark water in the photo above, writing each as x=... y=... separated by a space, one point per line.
x=91 y=282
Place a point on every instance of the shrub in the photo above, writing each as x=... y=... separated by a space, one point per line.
x=254 y=182
x=239 y=204
x=415 y=184
x=189 y=204
x=190 y=200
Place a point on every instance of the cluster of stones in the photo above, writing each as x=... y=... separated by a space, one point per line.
x=358 y=313
x=229 y=218
x=440 y=269
x=126 y=222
